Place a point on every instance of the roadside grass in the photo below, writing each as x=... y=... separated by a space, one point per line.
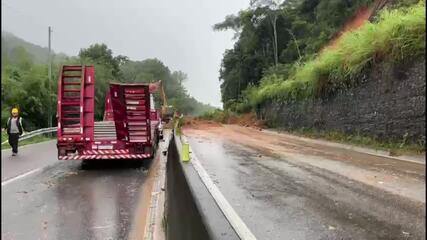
x=395 y=148
x=3 y=136
x=398 y=35
x=36 y=139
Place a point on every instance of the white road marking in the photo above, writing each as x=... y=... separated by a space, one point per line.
x=100 y=227
x=4 y=183
x=235 y=221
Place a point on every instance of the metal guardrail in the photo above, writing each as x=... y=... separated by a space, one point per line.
x=34 y=133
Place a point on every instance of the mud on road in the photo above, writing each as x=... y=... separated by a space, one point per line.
x=283 y=187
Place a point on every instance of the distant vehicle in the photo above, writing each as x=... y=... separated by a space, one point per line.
x=131 y=127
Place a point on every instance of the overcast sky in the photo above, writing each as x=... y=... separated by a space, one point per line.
x=179 y=33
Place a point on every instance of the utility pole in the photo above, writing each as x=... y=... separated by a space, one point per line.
x=49 y=122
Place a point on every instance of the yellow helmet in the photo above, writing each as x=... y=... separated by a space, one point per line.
x=14 y=110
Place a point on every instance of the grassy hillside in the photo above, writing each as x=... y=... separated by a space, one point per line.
x=9 y=42
x=398 y=35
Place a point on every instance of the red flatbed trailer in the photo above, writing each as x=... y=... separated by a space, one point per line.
x=130 y=126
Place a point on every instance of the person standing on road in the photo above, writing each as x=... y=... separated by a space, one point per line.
x=14 y=130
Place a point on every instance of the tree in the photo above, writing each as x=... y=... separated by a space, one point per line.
x=151 y=70
x=179 y=76
x=272 y=7
x=101 y=54
x=274 y=36
x=21 y=58
x=24 y=82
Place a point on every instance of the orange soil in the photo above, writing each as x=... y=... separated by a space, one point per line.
x=396 y=174
x=245 y=120
x=190 y=122
x=361 y=16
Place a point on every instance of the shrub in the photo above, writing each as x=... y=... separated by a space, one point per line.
x=216 y=115
x=399 y=34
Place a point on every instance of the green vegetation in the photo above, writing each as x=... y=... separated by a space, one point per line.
x=151 y=70
x=398 y=35
x=250 y=75
x=36 y=139
x=217 y=115
x=25 y=79
x=301 y=28
x=25 y=84
x=394 y=147
x=121 y=69
x=306 y=67
x=3 y=136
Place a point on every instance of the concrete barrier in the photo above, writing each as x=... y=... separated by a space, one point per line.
x=190 y=210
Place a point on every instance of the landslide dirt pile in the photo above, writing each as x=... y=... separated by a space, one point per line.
x=245 y=120
x=196 y=123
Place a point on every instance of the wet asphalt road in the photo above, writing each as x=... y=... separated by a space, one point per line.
x=30 y=157
x=68 y=200
x=279 y=198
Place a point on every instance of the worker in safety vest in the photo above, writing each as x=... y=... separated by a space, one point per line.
x=14 y=130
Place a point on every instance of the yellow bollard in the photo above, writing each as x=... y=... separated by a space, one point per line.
x=185 y=152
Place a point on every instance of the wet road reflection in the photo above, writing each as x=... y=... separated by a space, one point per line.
x=279 y=197
x=67 y=201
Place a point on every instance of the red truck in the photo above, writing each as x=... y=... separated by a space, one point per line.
x=129 y=130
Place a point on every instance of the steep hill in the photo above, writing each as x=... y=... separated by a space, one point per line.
x=9 y=43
